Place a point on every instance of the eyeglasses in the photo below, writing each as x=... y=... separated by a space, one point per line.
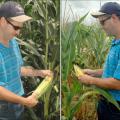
x=102 y=22
x=15 y=27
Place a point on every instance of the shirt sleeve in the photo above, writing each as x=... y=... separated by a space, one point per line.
x=18 y=53
x=117 y=71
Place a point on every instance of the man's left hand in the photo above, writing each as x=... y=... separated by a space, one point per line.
x=44 y=73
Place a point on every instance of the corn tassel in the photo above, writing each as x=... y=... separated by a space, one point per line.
x=43 y=87
x=78 y=71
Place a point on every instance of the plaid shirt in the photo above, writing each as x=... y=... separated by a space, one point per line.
x=10 y=65
x=112 y=66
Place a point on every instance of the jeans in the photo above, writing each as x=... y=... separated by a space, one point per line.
x=10 y=111
x=107 y=111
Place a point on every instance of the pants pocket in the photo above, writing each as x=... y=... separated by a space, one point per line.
x=113 y=108
x=3 y=109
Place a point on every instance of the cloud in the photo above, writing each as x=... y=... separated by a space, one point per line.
x=74 y=9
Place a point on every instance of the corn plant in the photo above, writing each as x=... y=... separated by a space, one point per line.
x=69 y=35
x=46 y=38
x=93 y=43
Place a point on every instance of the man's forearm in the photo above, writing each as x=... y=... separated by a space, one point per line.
x=10 y=97
x=29 y=71
x=108 y=83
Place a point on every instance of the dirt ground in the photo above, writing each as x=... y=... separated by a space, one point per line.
x=88 y=110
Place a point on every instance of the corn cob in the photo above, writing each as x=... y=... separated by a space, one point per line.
x=55 y=88
x=43 y=87
x=78 y=71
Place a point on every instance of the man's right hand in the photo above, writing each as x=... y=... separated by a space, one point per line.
x=9 y=96
x=30 y=101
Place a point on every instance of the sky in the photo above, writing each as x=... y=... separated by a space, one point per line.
x=73 y=9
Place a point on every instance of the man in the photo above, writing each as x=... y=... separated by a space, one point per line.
x=109 y=18
x=12 y=17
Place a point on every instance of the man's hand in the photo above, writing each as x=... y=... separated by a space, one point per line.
x=89 y=72
x=29 y=71
x=44 y=73
x=107 y=83
x=30 y=101
x=93 y=73
x=86 y=79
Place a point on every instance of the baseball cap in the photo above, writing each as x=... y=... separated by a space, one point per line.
x=108 y=8
x=14 y=11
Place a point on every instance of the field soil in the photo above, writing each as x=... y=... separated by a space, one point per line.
x=87 y=111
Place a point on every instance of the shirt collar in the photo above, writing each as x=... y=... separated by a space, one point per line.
x=115 y=42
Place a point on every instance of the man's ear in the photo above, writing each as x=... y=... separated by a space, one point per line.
x=114 y=17
x=2 y=20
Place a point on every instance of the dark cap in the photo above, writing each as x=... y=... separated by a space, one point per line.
x=108 y=8
x=13 y=11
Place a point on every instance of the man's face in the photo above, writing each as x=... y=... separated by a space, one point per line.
x=12 y=28
x=104 y=19
x=106 y=24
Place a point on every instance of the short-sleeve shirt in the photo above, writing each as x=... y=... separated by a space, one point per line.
x=10 y=65
x=112 y=66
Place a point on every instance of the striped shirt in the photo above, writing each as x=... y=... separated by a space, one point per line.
x=112 y=66
x=10 y=65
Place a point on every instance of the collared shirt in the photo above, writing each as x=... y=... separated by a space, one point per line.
x=10 y=65
x=112 y=66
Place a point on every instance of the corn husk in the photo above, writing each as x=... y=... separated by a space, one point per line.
x=43 y=87
x=78 y=71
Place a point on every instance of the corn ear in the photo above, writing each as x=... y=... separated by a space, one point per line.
x=43 y=87
x=56 y=88
x=78 y=71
